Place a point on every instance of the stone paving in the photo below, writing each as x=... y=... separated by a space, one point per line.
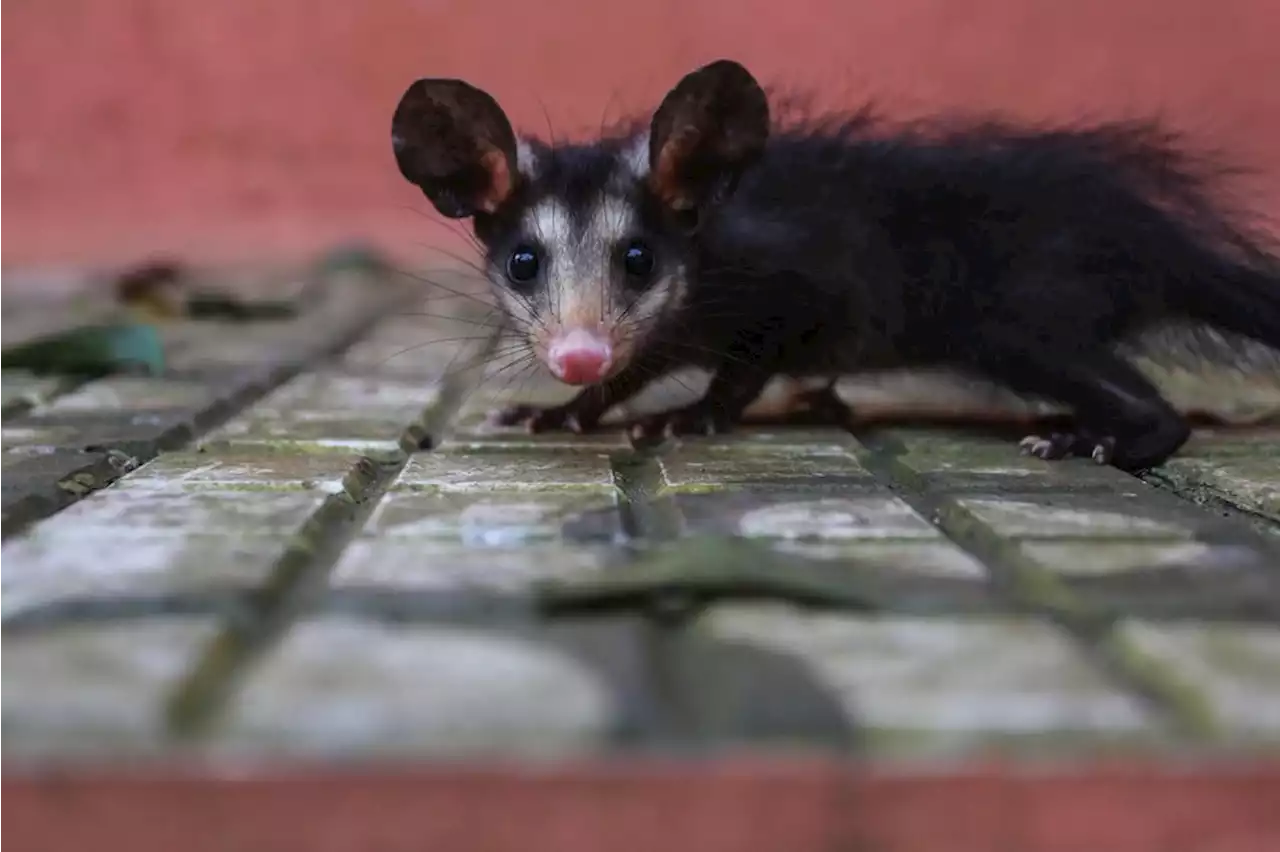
x=253 y=554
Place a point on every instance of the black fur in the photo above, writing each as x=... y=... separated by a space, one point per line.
x=1021 y=255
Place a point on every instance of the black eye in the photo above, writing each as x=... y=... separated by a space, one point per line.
x=638 y=260
x=522 y=266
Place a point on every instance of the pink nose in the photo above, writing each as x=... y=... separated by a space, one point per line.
x=579 y=357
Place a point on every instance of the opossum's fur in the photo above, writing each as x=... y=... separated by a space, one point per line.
x=819 y=244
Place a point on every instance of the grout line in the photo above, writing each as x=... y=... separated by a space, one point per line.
x=300 y=577
x=677 y=647
x=648 y=511
x=1184 y=708
x=116 y=462
x=650 y=516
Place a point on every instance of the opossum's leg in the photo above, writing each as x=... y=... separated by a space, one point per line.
x=1123 y=420
x=733 y=387
x=583 y=412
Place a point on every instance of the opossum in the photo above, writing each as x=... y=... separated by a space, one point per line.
x=711 y=235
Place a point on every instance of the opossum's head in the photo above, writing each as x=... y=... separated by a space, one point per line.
x=588 y=245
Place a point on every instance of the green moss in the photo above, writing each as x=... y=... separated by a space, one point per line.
x=1188 y=707
x=1045 y=591
x=692 y=488
x=282 y=447
x=285 y=485
x=80 y=484
x=509 y=488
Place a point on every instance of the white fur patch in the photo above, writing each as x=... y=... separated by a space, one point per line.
x=550 y=223
x=526 y=159
x=611 y=222
x=635 y=157
x=577 y=272
x=666 y=293
x=581 y=286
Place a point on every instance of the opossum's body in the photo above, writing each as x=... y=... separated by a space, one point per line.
x=710 y=239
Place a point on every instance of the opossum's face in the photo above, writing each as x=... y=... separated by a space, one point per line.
x=583 y=264
x=588 y=246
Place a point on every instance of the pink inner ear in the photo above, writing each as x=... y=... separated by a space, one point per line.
x=500 y=180
x=665 y=175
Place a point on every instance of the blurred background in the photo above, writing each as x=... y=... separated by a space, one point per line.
x=245 y=130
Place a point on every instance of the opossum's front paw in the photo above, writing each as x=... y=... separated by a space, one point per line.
x=1060 y=445
x=696 y=419
x=535 y=419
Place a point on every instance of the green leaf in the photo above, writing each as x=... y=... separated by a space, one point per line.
x=92 y=351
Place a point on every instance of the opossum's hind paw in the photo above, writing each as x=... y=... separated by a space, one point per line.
x=1061 y=445
x=696 y=419
x=535 y=419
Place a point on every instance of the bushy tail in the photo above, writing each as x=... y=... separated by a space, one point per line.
x=1225 y=266
x=1235 y=291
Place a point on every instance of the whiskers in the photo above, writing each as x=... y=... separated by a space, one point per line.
x=466 y=336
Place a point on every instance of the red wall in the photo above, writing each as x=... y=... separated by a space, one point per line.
x=255 y=128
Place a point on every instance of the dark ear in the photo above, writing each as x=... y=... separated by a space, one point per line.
x=454 y=142
x=709 y=129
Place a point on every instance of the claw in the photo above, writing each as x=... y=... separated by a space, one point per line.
x=1057 y=446
x=693 y=420
x=1060 y=445
x=1104 y=451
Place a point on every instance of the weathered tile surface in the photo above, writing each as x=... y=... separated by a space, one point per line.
x=92 y=691
x=163 y=541
x=501 y=540
x=1250 y=482
x=958 y=463
x=1239 y=667
x=930 y=560
x=1120 y=516
x=245 y=555
x=331 y=409
x=826 y=465
x=412 y=565
x=926 y=686
x=245 y=469
x=515 y=469
x=815 y=517
x=361 y=687
x=493 y=519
